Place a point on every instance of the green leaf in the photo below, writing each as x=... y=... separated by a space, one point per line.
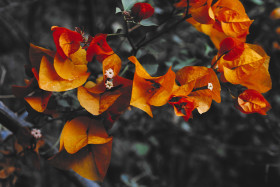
x=128 y=4
x=118 y=10
x=258 y=2
x=148 y=22
x=141 y=149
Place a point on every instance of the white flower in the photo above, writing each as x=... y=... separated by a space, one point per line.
x=109 y=73
x=210 y=86
x=109 y=85
x=36 y=133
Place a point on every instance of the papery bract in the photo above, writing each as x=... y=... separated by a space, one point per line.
x=49 y=80
x=250 y=69
x=85 y=147
x=194 y=83
x=231 y=48
x=99 y=48
x=67 y=42
x=251 y=101
x=147 y=90
x=72 y=67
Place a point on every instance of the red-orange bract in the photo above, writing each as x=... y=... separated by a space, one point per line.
x=251 y=101
x=67 y=42
x=199 y=83
x=250 y=69
x=99 y=48
x=96 y=98
x=147 y=90
x=85 y=147
x=141 y=11
x=231 y=48
x=184 y=107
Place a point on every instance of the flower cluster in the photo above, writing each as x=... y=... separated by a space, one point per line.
x=85 y=145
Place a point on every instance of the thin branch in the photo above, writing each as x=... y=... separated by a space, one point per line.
x=160 y=33
x=129 y=38
x=13 y=123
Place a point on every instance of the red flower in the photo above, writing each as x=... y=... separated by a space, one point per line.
x=99 y=47
x=142 y=11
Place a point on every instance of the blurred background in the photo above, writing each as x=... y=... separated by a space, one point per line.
x=222 y=147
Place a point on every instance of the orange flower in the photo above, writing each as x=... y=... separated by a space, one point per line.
x=251 y=101
x=230 y=20
x=67 y=42
x=231 y=48
x=99 y=47
x=97 y=98
x=85 y=147
x=37 y=98
x=275 y=14
x=250 y=69
x=200 y=84
x=184 y=107
x=147 y=90
x=141 y=11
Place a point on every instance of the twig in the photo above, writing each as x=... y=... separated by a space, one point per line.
x=160 y=33
x=13 y=123
x=7 y=96
x=129 y=38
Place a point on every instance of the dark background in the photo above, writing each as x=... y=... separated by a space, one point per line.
x=221 y=148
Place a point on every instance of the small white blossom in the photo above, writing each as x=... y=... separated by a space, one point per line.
x=109 y=73
x=36 y=133
x=210 y=86
x=109 y=85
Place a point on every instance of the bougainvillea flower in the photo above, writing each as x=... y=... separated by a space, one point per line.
x=251 y=101
x=147 y=90
x=231 y=48
x=49 y=80
x=203 y=14
x=72 y=67
x=36 y=54
x=141 y=11
x=85 y=147
x=38 y=99
x=231 y=18
x=99 y=48
x=275 y=14
x=97 y=98
x=184 y=107
x=67 y=42
x=250 y=69
x=199 y=83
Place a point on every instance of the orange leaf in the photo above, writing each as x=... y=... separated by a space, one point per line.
x=49 y=80
x=67 y=42
x=275 y=14
x=82 y=131
x=231 y=48
x=72 y=67
x=39 y=100
x=201 y=79
x=149 y=90
x=99 y=47
x=250 y=69
x=36 y=54
x=251 y=101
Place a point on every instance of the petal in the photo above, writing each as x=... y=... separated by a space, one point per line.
x=49 y=80
x=72 y=67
